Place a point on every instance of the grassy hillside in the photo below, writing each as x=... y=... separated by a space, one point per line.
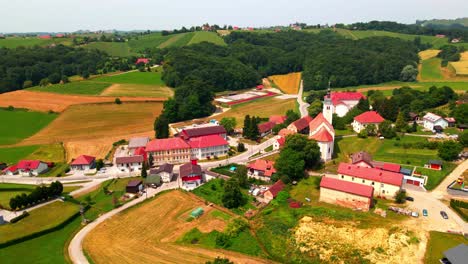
x=447 y=22
x=177 y=40
x=147 y=41
x=81 y=87
x=207 y=36
x=117 y=49
x=150 y=78
x=14 y=42
x=430 y=69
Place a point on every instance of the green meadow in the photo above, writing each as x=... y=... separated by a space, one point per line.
x=207 y=36
x=148 y=78
x=117 y=49
x=80 y=88
x=430 y=69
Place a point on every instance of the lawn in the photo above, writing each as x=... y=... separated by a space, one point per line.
x=435 y=177
x=225 y=170
x=20 y=124
x=14 y=154
x=287 y=83
x=440 y=242
x=49 y=153
x=141 y=90
x=393 y=150
x=135 y=77
x=80 y=87
x=202 y=36
x=43 y=218
x=430 y=69
x=116 y=49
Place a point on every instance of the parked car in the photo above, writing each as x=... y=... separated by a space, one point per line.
x=415 y=214
x=408 y=198
x=424 y=212
x=444 y=214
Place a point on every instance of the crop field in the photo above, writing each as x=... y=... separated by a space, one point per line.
x=43 y=218
x=49 y=153
x=13 y=42
x=110 y=242
x=135 y=77
x=431 y=70
x=44 y=102
x=20 y=124
x=147 y=41
x=207 y=36
x=139 y=90
x=428 y=54
x=11 y=155
x=117 y=49
x=52 y=153
x=440 y=242
x=461 y=67
x=288 y=83
x=177 y=40
x=80 y=87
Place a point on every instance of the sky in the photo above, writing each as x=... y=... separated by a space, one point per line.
x=72 y=15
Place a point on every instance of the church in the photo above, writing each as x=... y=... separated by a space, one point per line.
x=321 y=129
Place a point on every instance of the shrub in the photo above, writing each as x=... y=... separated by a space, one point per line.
x=19 y=217
x=10 y=108
x=223 y=240
x=27 y=84
x=400 y=197
x=118 y=101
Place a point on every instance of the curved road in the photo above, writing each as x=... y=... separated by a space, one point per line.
x=302 y=105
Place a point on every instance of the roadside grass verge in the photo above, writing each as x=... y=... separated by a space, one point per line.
x=78 y=88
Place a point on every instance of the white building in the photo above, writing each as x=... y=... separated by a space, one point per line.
x=207 y=147
x=165 y=171
x=321 y=130
x=279 y=142
x=342 y=102
x=367 y=118
x=130 y=163
x=431 y=120
x=83 y=163
x=31 y=167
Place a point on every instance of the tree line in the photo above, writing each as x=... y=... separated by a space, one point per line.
x=39 y=194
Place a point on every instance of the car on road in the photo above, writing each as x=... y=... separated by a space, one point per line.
x=408 y=198
x=424 y=212
x=444 y=214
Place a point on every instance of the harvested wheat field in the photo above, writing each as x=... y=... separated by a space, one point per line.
x=427 y=54
x=140 y=90
x=378 y=245
x=461 y=67
x=288 y=83
x=43 y=101
x=130 y=238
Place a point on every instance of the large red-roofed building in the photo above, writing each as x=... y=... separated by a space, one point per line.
x=344 y=101
x=203 y=131
x=347 y=194
x=169 y=150
x=301 y=125
x=206 y=147
x=367 y=118
x=265 y=128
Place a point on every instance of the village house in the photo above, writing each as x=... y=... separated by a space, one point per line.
x=265 y=128
x=279 y=142
x=365 y=119
x=342 y=102
x=348 y=194
x=203 y=131
x=301 y=125
x=285 y=132
x=191 y=174
x=10 y=171
x=134 y=186
x=30 y=167
x=386 y=183
x=207 y=147
x=432 y=120
x=169 y=150
x=261 y=169
x=273 y=191
x=129 y=163
x=83 y=163
x=137 y=142
x=451 y=121
x=165 y=172
x=142 y=60
x=277 y=119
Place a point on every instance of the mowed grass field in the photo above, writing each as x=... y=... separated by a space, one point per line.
x=202 y=36
x=440 y=242
x=19 y=124
x=288 y=83
x=116 y=49
x=431 y=69
x=153 y=237
x=51 y=153
x=80 y=87
x=135 y=77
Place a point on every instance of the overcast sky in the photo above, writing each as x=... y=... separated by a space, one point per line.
x=71 y=15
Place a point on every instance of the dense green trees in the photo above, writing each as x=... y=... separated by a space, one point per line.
x=450 y=53
x=409 y=74
x=229 y=123
x=449 y=150
x=232 y=196
x=41 y=193
x=250 y=129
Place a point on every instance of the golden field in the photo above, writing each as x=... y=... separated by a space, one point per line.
x=288 y=83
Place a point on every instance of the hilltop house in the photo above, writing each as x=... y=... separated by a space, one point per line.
x=129 y=163
x=164 y=171
x=347 y=194
x=365 y=119
x=169 y=150
x=203 y=131
x=191 y=174
x=261 y=169
x=142 y=60
x=207 y=147
x=83 y=163
x=273 y=191
x=342 y=102
x=432 y=120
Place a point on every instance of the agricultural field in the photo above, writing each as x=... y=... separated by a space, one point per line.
x=147 y=41
x=20 y=124
x=177 y=40
x=138 y=90
x=79 y=87
x=40 y=219
x=461 y=67
x=431 y=70
x=202 y=36
x=14 y=42
x=12 y=155
x=52 y=153
x=440 y=242
x=116 y=49
x=134 y=77
x=109 y=242
x=287 y=83
x=428 y=54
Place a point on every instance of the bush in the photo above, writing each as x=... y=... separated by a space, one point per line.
x=400 y=197
x=19 y=217
x=222 y=240
x=362 y=134
x=27 y=84
x=10 y=108
x=118 y=101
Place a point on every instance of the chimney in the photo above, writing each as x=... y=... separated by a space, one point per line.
x=194 y=162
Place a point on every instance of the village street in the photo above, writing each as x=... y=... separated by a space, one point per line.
x=302 y=105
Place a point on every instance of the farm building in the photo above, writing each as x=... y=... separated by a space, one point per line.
x=83 y=163
x=134 y=186
x=142 y=60
x=265 y=128
x=279 y=142
x=261 y=169
x=203 y=131
x=137 y=142
x=301 y=125
x=206 y=147
x=342 y=102
x=347 y=194
x=165 y=171
x=273 y=191
x=434 y=165
x=322 y=131
x=277 y=119
x=10 y=171
x=169 y=150
x=367 y=118
x=130 y=163
x=191 y=174
x=432 y=120
x=456 y=255
x=28 y=168
x=451 y=121
x=386 y=183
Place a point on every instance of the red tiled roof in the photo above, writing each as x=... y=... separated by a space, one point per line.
x=207 y=141
x=347 y=187
x=276 y=188
x=391 y=167
x=83 y=160
x=302 y=123
x=166 y=144
x=372 y=174
x=369 y=117
x=277 y=119
x=140 y=151
x=129 y=159
x=28 y=164
x=361 y=156
x=142 y=60
x=267 y=166
x=322 y=136
x=13 y=169
x=318 y=120
x=202 y=131
x=281 y=141
x=338 y=97
x=265 y=127
x=285 y=132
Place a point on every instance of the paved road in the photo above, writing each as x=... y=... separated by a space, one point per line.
x=75 y=249
x=302 y=105
x=441 y=190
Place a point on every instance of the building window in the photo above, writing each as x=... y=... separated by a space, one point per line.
x=352 y=178
x=363 y=181
x=383 y=191
x=381 y=185
x=372 y=183
x=342 y=177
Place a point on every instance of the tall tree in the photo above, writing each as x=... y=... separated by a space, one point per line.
x=229 y=123
x=400 y=124
x=161 y=127
x=232 y=196
x=247 y=130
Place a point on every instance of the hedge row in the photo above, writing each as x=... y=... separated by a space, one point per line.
x=456 y=205
x=19 y=217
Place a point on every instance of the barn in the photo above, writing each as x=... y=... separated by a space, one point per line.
x=347 y=194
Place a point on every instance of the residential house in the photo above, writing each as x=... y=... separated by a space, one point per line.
x=347 y=194
x=279 y=142
x=129 y=163
x=45 y=36
x=451 y=121
x=142 y=60
x=265 y=128
x=434 y=165
x=83 y=163
x=191 y=174
x=11 y=170
x=413 y=116
x=362 y=159
x=342 y=102
x=431 y=120
x=141 y=151
x=169 y=150
x=137 y=142
x=301 y=125
x=165 y=171
x=456 y=255
x=203 y=131
x=206 y=147
x=321 y=130
x=386 y=183
x=134 y=186
x=31 y=167
x=365 y=119
x=273 y=191
x=277 y=119
x=261 y=169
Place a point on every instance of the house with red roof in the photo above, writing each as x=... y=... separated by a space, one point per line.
x=207 y=147
x=83 y=163
x=142 y=60
x=169 y=150
x=10 y=171
x=45 y=37
x=322 y=131
x=203 y=131
x=301 y=125
x=273 y=191
x=344 y=193
x=342 y=102
x=191 y=174
x=279 y=142
x=277 y=119
x=31 y=167
x=266 y=128
x=386 y=183
x=261 y=169
x=367 y=118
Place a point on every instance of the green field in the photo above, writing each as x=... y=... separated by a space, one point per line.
x=177 y=40
x=152 y=40
x=40 y=219
x=14 y=154
x=389 y=152
x=148 y=78
x=139 y=90
x=49 y=153
x=19 y=124
x=440 y=242
x=116 y=49
x=13 y=42
x=207 y=36
x=80 y=87
x=430 y=69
